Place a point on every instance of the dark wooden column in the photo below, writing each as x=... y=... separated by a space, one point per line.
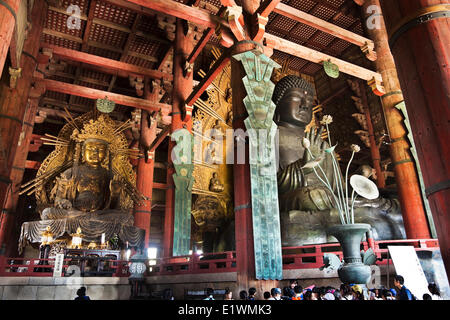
x=8 y=13
x=9 y=213
x=413 y=211
x=182 y=87
x=419 y=38
x=13 y=101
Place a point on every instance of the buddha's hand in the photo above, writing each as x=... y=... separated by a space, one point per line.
x=63 y=204
x=317 y=145
x=115 y=187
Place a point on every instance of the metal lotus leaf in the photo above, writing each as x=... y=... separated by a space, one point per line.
x=369 y=257
x=331 y=262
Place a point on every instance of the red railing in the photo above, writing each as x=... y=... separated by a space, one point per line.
x=21 y=267
x=303 y=257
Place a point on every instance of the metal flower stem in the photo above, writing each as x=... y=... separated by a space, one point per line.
x=339 y=183
x=346 y=181
x=328 y=185
x=353 y=202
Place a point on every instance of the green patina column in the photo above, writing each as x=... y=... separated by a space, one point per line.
x=262 y=156
x=182 y=156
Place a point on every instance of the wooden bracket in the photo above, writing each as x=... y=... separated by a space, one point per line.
x=14 y=75
x=377 y=87
x=261 y=22
x=369 y=51
x=137 y=82
x=235 y=19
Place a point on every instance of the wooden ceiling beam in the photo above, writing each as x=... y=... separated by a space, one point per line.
x=90 y=93
x=366 y=45
x=182 y=11
x=318 y=57
x=113 y=66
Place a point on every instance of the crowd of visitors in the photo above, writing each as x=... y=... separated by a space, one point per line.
x=345 y=292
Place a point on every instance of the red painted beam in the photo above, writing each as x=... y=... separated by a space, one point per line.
x=182 y=11
x=109 y=65
x=91 y=93
x=34 y=165
x=159 y=139
x=208 y=79
x=207 y=34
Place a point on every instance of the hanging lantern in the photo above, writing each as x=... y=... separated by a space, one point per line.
x=47 y=236
x=77 y=239
x=105 y=105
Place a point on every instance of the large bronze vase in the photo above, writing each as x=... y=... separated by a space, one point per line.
x=349 y=236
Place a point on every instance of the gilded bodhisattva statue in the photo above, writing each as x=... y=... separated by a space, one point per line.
x=87 y=182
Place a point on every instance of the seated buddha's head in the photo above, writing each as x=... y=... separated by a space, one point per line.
x=294 y=98
x=94 y=152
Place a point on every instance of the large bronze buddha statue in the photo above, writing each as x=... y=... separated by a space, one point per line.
x=299 y=189
x=306 y=205
x=87 y=182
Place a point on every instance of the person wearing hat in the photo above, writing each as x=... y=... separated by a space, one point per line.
x=275 y=294
x=357 y=292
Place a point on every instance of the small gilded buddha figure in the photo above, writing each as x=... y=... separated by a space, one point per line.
x=299 y=189
x=214 y=184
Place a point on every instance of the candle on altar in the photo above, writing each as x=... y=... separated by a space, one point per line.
x=103 y=238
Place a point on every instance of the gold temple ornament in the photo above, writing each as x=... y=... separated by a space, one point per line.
x=77 y=239
x=47 y=236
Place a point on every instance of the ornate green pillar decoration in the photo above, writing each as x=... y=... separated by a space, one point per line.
x=182 y=157
x=262 y=156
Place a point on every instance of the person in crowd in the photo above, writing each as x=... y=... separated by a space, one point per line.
x=287 y=293
x=435 y=292
x=426 y=296
x=315 y=293
x=228 y=294
x=209 y=294
x=307 y=295
x=394 y=293
x=81 y=294
x=266 y=295
x=298 y=293
x=403 y=292
x=328 y=296
x=275 y=294
x=387 y=295
x=243 y=295
x=292 y=284
x=357 y=292
x=346 y=292
x=251 y=294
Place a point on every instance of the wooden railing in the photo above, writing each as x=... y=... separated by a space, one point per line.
x=303 y=257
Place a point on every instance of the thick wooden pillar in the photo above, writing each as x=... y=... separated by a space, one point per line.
x=9 y=213
x=13 y=101
x=144 y=176
x=182 y=88
x=414 y=217
x=8 y=13
x=419 y=38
